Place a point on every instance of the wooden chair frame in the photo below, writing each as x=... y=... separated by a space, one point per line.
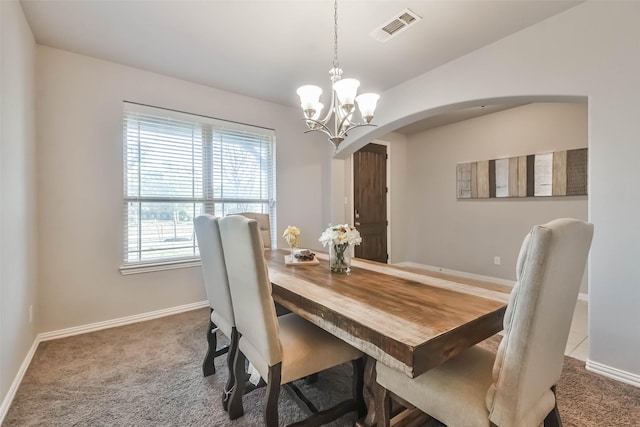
x=208 y=365
x=315 y=417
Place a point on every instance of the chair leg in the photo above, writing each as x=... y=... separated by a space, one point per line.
x=358 y=386
x=273 y=393
x=383 y=406
x=208 y=367
x=231 y=380
x=553 y=418
x=240 y=376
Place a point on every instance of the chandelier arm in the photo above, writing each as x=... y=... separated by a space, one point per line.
x=327 y=117
x=342 y=122
x=337 y=119
x=324 y=129
x=320 y=130
x=359 y=125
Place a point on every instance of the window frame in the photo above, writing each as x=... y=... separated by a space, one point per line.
x=212 y=131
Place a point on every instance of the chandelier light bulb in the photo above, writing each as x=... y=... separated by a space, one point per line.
x=367 y=105
x=313 y=123
x=346 y=90
x=309 y=96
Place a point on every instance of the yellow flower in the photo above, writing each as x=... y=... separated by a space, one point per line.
x=291 y=235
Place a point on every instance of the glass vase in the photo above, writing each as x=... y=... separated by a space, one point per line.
x=340 y=258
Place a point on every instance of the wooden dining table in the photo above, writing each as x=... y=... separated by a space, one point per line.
x=407 y=320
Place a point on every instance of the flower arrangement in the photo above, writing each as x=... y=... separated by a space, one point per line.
x=340 y=238
x=291 y=235
x=340 y=234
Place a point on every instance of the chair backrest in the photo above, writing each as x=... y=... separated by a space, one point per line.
x=537 y=321
x=263 y=224
x=251 y=291
x=214 y=270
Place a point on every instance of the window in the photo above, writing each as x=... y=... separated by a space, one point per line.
x=178 y=166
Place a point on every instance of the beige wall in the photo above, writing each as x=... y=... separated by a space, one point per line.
x=590 y=51
x=80 y=184
x=466 y=235
x=18 y=256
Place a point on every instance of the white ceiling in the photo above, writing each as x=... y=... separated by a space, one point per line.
x=266 y=49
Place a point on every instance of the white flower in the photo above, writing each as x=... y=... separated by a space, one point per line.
x=340 y=234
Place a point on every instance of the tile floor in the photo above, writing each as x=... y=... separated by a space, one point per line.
x=578 y=343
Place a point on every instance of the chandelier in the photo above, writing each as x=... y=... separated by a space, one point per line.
x=343 y=97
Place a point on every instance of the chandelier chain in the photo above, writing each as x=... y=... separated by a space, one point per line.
x=335 y=34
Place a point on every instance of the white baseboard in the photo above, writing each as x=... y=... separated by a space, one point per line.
x=456 y=273
x=77 y=330
x=92 y=327
x=581 y=296
x=11 y=393
x=613 y=373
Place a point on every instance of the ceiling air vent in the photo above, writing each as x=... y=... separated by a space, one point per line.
x=395 y=26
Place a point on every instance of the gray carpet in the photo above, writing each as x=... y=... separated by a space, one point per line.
x=149 y=374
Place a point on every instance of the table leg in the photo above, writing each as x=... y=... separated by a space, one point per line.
x=369 y=393
x=401 y=413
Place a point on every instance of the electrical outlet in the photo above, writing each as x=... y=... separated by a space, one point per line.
x=497 y=260
x=31 y=314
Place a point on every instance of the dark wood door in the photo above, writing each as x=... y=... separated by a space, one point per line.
x=370 y=201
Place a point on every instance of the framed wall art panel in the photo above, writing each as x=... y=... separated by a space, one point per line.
x=561 y=173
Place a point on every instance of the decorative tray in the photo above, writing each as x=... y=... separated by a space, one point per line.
x=288 y=261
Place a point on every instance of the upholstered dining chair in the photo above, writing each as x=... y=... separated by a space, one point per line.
x=264 y=224
x=515 y=386
x=282 y=349
x=216 y=283
x=265 y=233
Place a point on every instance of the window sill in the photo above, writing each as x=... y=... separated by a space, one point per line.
x=150 y=267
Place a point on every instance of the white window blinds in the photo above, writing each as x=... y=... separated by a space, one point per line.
x=178 y=166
